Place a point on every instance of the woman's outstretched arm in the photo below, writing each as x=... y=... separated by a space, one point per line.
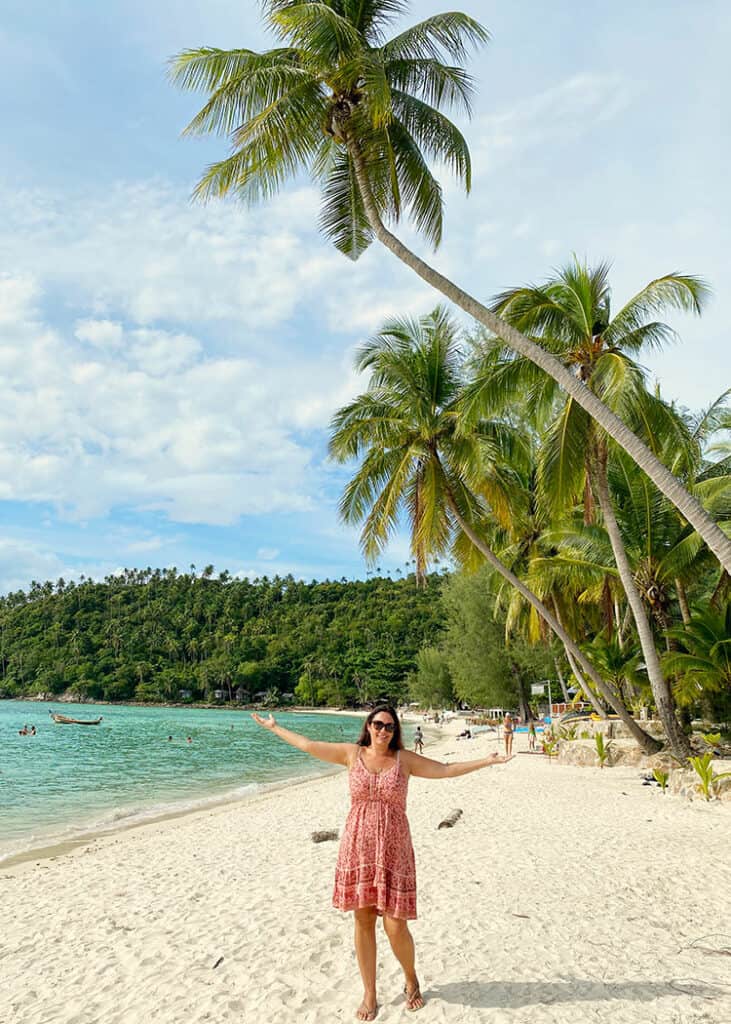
x=426 y=768
x=335 y=753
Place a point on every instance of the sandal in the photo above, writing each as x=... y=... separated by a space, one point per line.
x=370 y=1014
x=411 y=998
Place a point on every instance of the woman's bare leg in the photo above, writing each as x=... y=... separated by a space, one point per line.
x=402 y=944
x=365 y=950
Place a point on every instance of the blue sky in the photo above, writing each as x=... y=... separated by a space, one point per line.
x=170 y=369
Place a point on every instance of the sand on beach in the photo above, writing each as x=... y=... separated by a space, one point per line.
x=562 y=895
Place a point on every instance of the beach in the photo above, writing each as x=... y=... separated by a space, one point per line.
x=563 y=894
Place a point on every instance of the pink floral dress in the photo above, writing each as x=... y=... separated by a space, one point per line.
x=375 y=865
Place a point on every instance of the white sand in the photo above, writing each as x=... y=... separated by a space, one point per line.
x=563 y=895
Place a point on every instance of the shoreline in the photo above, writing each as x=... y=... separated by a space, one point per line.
x=193 y=705
x=63 y=848
x=51 y=848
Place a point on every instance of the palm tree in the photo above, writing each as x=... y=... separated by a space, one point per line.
x=571 y=315
x=416 y=459
x=704 y=663
x=363 y=114
x=619 y=664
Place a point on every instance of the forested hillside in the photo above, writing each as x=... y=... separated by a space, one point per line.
x=146 y=635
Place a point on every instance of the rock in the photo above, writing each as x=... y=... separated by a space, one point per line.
x=684 y=782
x=584 y=753
x=579 y=752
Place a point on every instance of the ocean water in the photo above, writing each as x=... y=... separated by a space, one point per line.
x=69 y=780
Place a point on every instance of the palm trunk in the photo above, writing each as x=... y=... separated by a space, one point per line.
x=523 y=706
x=648 y=744
x=618 y=621
x=660 y=689
x=624 y=625
x=561 y=680
x=663 y=479
x=577 y=672
x=683 y=602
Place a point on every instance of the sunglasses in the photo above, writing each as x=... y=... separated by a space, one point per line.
x=378 y=725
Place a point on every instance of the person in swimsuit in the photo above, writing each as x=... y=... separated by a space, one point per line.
x=419 y=740
x=508 y=727
x=531 y=735
x=375 y=874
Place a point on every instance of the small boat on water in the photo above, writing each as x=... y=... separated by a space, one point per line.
x=65 y=720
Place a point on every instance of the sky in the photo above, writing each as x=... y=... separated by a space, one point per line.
x=170 y=369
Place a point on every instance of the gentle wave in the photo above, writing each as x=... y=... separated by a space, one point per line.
x=129 y=817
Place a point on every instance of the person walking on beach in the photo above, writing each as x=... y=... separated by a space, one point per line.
x=508 y=729
x=531 y=735
x=418 y=740
x=375 y=874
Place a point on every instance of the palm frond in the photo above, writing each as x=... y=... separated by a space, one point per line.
x=269 y=148
x=452 y=34
x=370 y=17
x=207 y=68
x=342 y=216
x=368 y=420
x=435 y=135
x=439 y=85
x=315 y=27
x=683 y=292
x=563 y=458
x=420 y=190
x=542 y=313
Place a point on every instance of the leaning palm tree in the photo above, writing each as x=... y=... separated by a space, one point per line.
x=571 y=315
x=363 y=114
x=417 y=461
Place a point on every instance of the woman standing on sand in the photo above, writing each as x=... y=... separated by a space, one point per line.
x=508 y=729
x=375 y=874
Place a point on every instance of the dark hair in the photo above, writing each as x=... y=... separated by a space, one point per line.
x=364 y=740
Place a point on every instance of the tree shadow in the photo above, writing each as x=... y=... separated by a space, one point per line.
x=513 y=994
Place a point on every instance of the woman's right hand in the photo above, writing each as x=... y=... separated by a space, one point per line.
x=267 y=723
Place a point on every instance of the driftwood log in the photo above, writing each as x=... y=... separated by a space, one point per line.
x=325 y=835
x=451 y=820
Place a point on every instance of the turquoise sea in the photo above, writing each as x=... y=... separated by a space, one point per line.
x=69 y=780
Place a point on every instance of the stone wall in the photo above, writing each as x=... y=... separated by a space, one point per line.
x=683 y=782
x=611 y=728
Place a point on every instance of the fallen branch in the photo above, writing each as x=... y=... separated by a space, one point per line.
x=451 y=820
x=325 y=835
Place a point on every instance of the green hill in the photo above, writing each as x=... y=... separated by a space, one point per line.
x=147 y=635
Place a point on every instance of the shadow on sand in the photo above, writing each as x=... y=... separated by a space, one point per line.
x=513 y=994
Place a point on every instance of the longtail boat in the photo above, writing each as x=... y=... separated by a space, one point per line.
x=65 y=720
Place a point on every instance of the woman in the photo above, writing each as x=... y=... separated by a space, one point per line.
x=508 y=729
x=375 y=874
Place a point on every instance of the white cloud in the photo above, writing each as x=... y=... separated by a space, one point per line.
x=559 y=113
x=145 y=253
x=148 y=419
x=267 y=554
x=21 y=562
